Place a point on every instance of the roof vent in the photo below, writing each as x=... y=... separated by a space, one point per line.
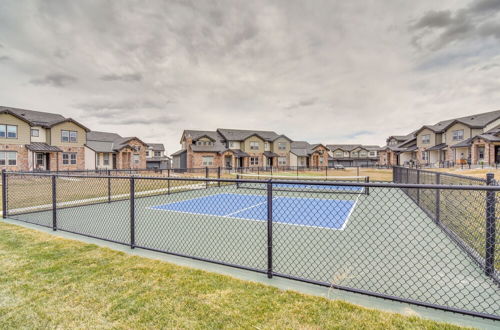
x=471 y=118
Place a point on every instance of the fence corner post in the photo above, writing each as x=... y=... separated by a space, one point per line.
x=132 y=212
x=4 y=194
x=54 y=203
x=270 y=228
x=490 y=227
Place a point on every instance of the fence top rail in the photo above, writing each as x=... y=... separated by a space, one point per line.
x=493 y=188
x=459 y=176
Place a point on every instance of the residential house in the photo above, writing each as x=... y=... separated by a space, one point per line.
x=33 y=140
x=111 y=151
x=156 y=158
x=353 y=154
x=303 y=154
x=399 y=150
x=232 y=148
x=471 y=139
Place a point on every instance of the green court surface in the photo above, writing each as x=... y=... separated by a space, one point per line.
x=387 y=245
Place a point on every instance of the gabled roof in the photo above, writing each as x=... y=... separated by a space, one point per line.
x=195 y=135
x=303 y=148
x=344 y=147
x=242 y=134
x=108 y=142
x=39 y=118
x=463 y=144
x=157 y=146
x=479 y=120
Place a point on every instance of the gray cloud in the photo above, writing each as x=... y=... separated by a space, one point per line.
x=55 y=79
x=314 y=70
x=4 y=58
x=129 y=77
x=437 y=29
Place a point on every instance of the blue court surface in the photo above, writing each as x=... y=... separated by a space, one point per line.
x=312 y=212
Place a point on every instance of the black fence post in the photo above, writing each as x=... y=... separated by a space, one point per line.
x=132 y=212
x=490 y=227
x=367 y=189
x=4 y=194
x=218 y=176
x=109 y=186
x=206 y=177
x=418 y=189
x=269 y=229
x=438 y=198
x=237 y=181
x=54 y=203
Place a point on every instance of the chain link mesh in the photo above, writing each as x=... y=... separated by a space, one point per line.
x=430 y=244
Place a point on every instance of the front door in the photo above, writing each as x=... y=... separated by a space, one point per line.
x=228 y=160
x=40 y=161
x=497 y=154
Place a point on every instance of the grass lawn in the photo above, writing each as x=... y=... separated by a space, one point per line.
x=49 y=282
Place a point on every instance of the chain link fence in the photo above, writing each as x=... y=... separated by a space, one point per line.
x=427 y=242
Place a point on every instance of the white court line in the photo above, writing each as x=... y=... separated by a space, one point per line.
x=349 y=215
x=231 y=215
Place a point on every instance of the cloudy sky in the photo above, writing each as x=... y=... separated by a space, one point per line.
x=322 y=71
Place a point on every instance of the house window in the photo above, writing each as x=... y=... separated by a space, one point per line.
x=136 y=158
x=69 y=158
x=8 y=131
x=254 y=145
x=68 y=136
x=157 y=153
x=35 y=132
x=8 y=158
x=424 y=155
x=207 y=160
x=98 y=159
x=354 y=154
x=363 y=154
x=282 y=145
x=266 y=145
x=480 y=153
x=338 y=154
x=105 y=159
x=321 y=160
x=254 y=161
x=458 y=135
x=372 y=154
x=281 y=160
x=231 y=144
x=426 y=139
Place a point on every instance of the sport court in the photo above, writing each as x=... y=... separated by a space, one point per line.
x=380 y=242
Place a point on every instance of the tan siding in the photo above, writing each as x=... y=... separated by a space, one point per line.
x=55 y=135
x=276 y=143
x=246 y=144
x=457 y=126
x=432 y=138
x=23 y=129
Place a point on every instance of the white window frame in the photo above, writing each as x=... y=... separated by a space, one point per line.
x=281 y=145
x=426 y=139
x=4 y=131
x=372 y=154
x=105 y=159
x=281 y=160
x=157 y=154
x=6 y=158
x=457 y=136
x=338 y=154
x=33 y=130
x=254 y=145
x=363 y=154
x=207 y=160
x=254 y=161
x=69 y=158
x=68 y=136
x=136 y=158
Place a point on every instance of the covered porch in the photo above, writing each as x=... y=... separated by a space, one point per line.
x=43 y=157
x=235 y=158
x=437 y=154
x=269 y=159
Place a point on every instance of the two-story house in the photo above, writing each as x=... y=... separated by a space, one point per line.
x=111 y=151
x=232 y=148
x=32 y=140
x=156 y=158
x=304 y=154
x=353 y=154
x=453 y=141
